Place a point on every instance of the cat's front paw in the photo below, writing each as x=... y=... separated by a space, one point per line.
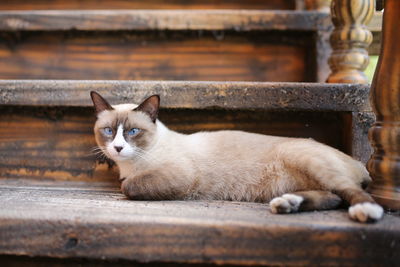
x=366 y=212
x=287 y=203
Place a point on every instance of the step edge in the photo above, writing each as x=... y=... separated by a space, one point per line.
x=111 y=20
x=191 y=94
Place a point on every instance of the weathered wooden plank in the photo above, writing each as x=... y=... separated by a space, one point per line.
x=82 y=223
x=17 y=261
x=200 y=95
x=109 y=20
x=49 y=144
x=356 y=125
x=148 y=4
x=322 y=53
x=224 y=56
x=56 y=144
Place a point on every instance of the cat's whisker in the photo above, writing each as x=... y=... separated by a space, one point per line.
x=146 y=155
x=100 y=155
x=143 y=154
x=96 y=148
x=94 y=153
x=150 y=159
x=142 y=157
x=98 y=152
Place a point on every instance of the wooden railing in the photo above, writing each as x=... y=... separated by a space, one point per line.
x=384 y=164
x=350 y=40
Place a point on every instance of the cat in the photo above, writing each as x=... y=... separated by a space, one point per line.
x=292 y=174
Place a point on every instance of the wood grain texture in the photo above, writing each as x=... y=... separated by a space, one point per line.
x=322 y=53
x=104 y=20
x=48 y=144
x=356 y=126
x=81 y=222
x=57 y=143
x=223 y=56
x=148 y=4
x=200 y=95
x=384 y=164
x=350 y=40
x=17 y=261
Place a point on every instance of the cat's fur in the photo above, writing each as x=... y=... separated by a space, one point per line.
x=158 y=163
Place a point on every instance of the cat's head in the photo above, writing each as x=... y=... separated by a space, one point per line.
x=124 y=131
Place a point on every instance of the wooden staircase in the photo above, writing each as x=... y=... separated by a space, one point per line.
x=173 y=44
x=61 y=205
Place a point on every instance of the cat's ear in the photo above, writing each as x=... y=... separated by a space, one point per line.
x=150 y=106
x=100 y=104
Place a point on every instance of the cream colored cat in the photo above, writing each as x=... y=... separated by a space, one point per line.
x=292 y=174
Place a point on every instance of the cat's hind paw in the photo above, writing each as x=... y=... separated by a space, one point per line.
x=366 y=212
x=287 y=203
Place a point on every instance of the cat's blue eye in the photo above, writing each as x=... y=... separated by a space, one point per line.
x=108 y=131
x=133 y=131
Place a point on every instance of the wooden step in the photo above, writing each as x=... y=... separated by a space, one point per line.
x=191 y=95
x=225 y=45
x=59 y=202
x=95 y=221
x=106 y=20
x=46 y=126
x=148 y=4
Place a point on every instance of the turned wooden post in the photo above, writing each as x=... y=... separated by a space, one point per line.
x=349 y=40
x=384 y=165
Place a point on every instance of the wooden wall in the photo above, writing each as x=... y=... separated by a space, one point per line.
x=56 y=143
x=154 y=55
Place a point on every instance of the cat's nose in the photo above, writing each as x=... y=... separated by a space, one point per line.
x=118 y=148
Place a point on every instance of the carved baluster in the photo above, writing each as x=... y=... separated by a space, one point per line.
x=349 y=40
x=320 y=5
x=384 y=165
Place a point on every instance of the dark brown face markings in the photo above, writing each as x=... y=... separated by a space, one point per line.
x=100 y=104
x=150 y=106
x=128 y=119
x=103 y=138
x=121 y=120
